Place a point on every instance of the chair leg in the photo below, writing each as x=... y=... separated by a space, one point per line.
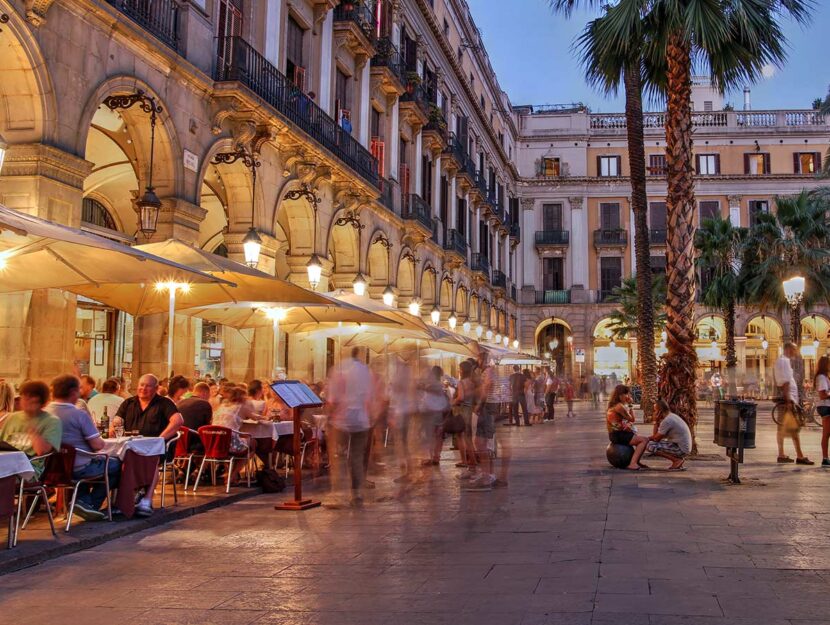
x=228 y=480
x=163 y=480
x=187 y=474
x=31 y=510
x=71 y=509
x=173 y=480
x=251 y=458
x=199 y=475
x=45 y=498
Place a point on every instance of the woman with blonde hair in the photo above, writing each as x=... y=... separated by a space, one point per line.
x=620 y=422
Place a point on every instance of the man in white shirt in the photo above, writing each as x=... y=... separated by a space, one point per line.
x=108 y=398
x=672 y=438
x=788 y=389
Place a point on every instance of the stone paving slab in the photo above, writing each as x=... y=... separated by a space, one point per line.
x=570 y=542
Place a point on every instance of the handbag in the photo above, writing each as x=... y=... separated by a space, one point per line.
x=453 y=422
x=790 y=424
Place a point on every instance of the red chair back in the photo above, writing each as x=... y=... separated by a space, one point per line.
x=217 y=441
x=183 y=444
x=59 y=467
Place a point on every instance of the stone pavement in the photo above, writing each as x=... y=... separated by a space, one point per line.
x=570 y=542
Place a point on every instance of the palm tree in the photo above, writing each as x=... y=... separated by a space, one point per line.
x=610 y=48
x=733 y=40
x=824 y=109
x=625 y=319
x=793 y=240
x=719 y=245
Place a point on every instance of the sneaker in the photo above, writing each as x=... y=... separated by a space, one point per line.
x=784 y=459
x=825 y=463
x=88 y=513
x=467 y=475
x=482 y=483
x=143 y=509
x=804 y=460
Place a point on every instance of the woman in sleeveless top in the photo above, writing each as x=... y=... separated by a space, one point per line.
x=620 y=422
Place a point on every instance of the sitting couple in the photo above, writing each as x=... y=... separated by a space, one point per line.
x=671 y=438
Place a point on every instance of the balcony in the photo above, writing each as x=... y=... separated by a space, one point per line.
x=457 y=152
x=355 y=26
x=415 y=104
x=456 y=243
x=715 y=121
x=616 y=237
x=388 y=66
x=605 y=297
x=480 y=263
x=480 y=185
x=435 y=134
x=416 y=209
x=387 y=194
x=239 y=62
x=552 y=238
x=657 y=236
x=159 y=18
x=515 y=232
x=553 y=297
x=499 y=279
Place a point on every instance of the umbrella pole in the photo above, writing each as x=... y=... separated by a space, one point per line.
x=276 y=347
x=170 y=330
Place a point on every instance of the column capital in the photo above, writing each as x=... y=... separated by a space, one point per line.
x=178 y=219
x=576 y=202
x=734 y=200
x=528 y=203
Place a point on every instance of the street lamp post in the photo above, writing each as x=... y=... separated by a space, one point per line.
x=252 y=243
x=314 y=266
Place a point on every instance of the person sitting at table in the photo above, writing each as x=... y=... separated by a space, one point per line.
x=79 y=431
x=32 y=430
x=196 y=411
x=108 y=398
x=230 y=415
x=178 y=387
x=150 y=414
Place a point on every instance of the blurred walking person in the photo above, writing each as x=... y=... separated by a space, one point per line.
x=434 y=404
x=517 y=396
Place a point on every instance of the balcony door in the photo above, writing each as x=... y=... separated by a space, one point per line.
x=551 y=217
x=657 y=215
x=295 y=66
x=553 y=274
x=229 y=25
x=609 y=216
x=610 y=275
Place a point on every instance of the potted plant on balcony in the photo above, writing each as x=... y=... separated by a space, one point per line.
x=436 y=118
x=412 y=81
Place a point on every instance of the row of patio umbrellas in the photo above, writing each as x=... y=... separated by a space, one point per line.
x=175 y=277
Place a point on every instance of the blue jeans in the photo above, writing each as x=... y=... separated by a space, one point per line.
x=93 y=495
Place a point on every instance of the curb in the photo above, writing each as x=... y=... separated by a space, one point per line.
x=118 y=530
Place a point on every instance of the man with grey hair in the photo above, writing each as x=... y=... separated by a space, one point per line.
x=150 y=414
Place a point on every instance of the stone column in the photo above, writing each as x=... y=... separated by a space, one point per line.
x=435 y=200
x=364 y=83
x=529 y=259
x=417 y=173
x=323 y=82
x=580 y=242
x=393 y=142
x=453 y=212
x=735 y=210
x=272 y=32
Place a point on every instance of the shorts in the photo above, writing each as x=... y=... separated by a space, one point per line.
x=621 y=437
x=823 y=411
x=486 y=426
x=466 y=413
x=667 y=447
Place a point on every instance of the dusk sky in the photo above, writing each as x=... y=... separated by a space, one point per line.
x=531 y=50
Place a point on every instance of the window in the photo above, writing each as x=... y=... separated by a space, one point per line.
x=551 y=217
x=553 y=278
x=609 y=216
x=551 y=167
x=461 y=217
x=481 y=100
x=757 y=207
x=709 y=209
x=806 y=162
x=657 y=215
x=610 y=275
x=707 y=164
x=342 y=100
x=460 y=54
x=707 y=106
x=295 y=67
x=756 y=163
x=96 y=214
x=658 y=265
x=657 y=165
x=608 y=166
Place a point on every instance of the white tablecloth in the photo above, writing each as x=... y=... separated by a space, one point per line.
x=268 y=429
x=15 y=463
x=143 y=446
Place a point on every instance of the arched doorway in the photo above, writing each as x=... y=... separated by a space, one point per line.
x=612 y=356
x=764 y=341
x=814 y=342
x=710 y=343
x=553 y=344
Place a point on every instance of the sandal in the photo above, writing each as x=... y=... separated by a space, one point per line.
x=643 y=466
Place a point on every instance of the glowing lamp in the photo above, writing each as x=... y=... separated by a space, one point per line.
x=359 y=285
x=794 y=290
x=435 y=315
x=452 y=321
x=315 y=271
x=251 y=245
x=389 y=296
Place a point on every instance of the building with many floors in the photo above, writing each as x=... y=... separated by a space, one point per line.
x=425 y=181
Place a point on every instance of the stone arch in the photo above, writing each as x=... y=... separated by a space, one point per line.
x=753 y=320
x=344 y=251
x=378 y=260
x=28 y=106
x=475 y=308
x=445 y=300
x=297 y=219
x=462 y=301
x=428 y=287
x=405 y=276
x=129 y=130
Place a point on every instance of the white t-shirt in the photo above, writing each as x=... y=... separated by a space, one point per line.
x=97 y=403
x=675 y=430
x=822 y=384
x=783 y=373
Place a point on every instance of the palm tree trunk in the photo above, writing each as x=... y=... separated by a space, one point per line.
x=677 y=382
x=646 y=357
x=731 y=355
x=795 y=325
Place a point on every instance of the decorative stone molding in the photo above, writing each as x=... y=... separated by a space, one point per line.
x=527 y=203
x=37 y=159
x=36 y=11
x=575 y=202
x=734 y=200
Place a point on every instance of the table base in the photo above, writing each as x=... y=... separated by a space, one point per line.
x=302 y=504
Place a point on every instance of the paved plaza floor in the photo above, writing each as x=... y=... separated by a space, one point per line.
x=571 y=541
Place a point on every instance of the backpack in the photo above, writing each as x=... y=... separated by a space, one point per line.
x=270 y=481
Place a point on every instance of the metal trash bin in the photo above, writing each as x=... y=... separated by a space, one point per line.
x=735 y=424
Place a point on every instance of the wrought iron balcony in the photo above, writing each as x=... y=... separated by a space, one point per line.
x=554 y=296
x=515 y=231
x=479 y=262
x=417 y=209
x=160 y=17
x=610 y=237
x=499 y=279
x=389 y=56
x=360 y=14
x=238 y=61
x=553 y=238
x=657 y=236
x=455 y=242
x=605 y=297
x=417 y=94
x=387 y=196
x=437 y=125
x=481 y=183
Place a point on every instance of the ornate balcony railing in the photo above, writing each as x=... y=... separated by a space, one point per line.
x=616 y=236
x=455 y=242
x=553 y=237
x=481 y=183
x=604 y=297
x=499 y=279
x=387 y=55
x=718 y=119
x=159 y=17
x=516 y=231
x=360 y=14
x=238 y=61
x=417 y=93
x=479 y=262
x=417 y=209
x=560 y=296
x=387 y=194
x=657 y=236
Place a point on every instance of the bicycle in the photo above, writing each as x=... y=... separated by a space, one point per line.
x=805 y=412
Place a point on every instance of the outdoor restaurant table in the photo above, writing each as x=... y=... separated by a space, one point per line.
x=140 y=445
x=268 y=429
x=13 y=464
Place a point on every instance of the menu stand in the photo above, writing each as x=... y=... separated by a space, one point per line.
x=297 y=396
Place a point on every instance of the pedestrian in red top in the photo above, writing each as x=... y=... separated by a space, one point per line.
x=569 y=396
